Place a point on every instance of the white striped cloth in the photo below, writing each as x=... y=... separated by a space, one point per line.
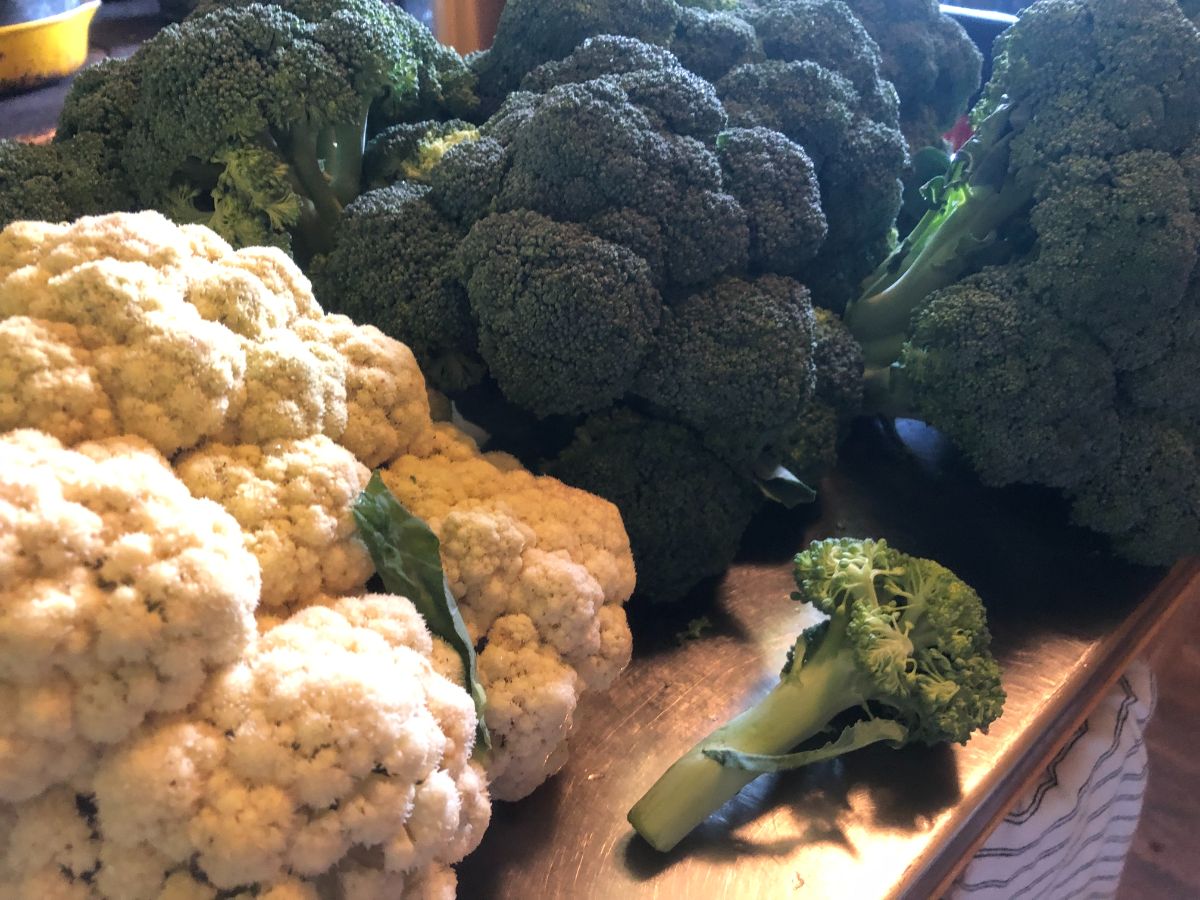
x=1069 y=835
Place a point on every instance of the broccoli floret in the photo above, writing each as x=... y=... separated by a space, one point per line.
x=775 y=182
x=392 y=265
x=712 y=43
x=818 y=100
x=605 y=54
x=931 y=60
x=906 y=647
x=734 y=362
x=585 y=150
x=411 y=150
x=684 y=509
x=1039 y=306
x=58 y=181
x=564 y=317
x=465 y=182
x=828 y=33
x=532 y=32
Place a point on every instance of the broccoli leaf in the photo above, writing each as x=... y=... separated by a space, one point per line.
x=853 y=737
x=406 y=554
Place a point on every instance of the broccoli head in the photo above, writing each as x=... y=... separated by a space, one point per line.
x=1038 y=314
x=906 y=648
x=252 y=117
x=564 y=317
x=410 y=151
x=392 y=265
x=59 y=181
x=775 y=182
x=684 y=509
x=734 y=362
x=931 y=60
x=532 y=32
x=710 y=43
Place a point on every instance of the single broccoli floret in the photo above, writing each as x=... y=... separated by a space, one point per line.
x=1035 y=312
x=465 y=182
x=605 y=54
x=734 y=362
x=531 y=32
x=712 y=43
x=906 y=646
x=684 y=509
x=931 y=60
x=392 y=265
x=410 y=151
x=564 y=317
x=774 y=181
x=56 y=182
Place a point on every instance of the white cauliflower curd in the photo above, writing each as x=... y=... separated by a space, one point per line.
x=183 y=435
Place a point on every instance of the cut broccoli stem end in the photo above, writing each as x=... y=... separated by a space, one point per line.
x=806 y=699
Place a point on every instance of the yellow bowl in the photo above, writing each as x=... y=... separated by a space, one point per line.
x=44 y=49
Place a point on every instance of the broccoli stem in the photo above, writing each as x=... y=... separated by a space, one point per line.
x=806 y=699
x=940 y=259
x=345 y=161
x=303 y=152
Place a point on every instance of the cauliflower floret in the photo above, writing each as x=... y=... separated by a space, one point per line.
x=329 y=742
x=386 y=400
x=119 y=594
x=47 y=376
x=293 y=500
x=532 y=696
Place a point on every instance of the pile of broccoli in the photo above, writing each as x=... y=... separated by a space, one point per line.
x=1045 y=315
x=249 y=117
x=617 y=267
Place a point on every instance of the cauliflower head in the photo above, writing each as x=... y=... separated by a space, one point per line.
x=333 y=760
x=120 y=593
x=541 y=572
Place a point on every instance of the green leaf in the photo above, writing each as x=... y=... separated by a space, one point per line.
x=854 y=737
x=406 y=554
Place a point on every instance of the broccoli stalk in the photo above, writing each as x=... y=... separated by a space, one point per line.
x=905 y=645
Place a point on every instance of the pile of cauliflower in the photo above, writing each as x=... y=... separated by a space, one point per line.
x=199 y=695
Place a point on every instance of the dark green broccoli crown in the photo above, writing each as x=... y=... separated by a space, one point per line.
x=918 y=634
x=684 y=509
x=931 y=60
x=392 y=266
x=466 y=181
x=1025 y=396
x=735 y=363
x=1148 y=500
x=639 y=232
x=1096 y=77
x=564 y=317
x=712 y=43
x=586 y=150
x=839 y=362
x=59 y=181
x=814 y=106
x=828 y=33
x=532 y=32
x=605 y=54
x=775 y=182
x=1116 y=245
x=101 y=100
x=410 y=151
